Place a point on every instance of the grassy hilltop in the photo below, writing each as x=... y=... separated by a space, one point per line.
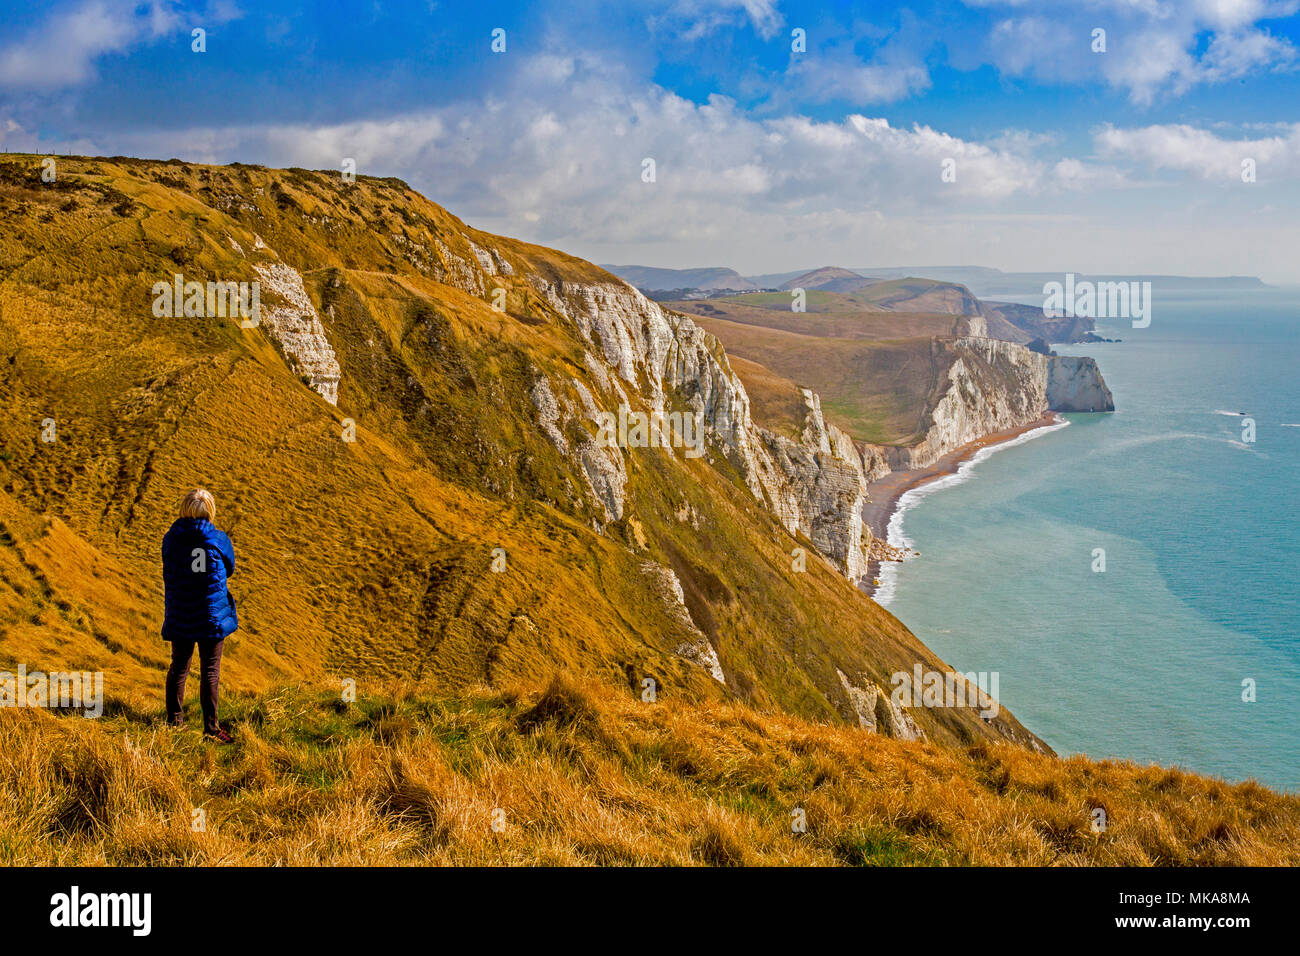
x=371 y=561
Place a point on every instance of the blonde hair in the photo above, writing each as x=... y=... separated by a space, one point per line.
x=198 y=504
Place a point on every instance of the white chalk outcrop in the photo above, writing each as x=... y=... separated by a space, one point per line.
x=698 y=649
x=994 y=386
x=877 y=712
x=1074 y=384
x=294 y=325
x=815 y=487
x=548 y=413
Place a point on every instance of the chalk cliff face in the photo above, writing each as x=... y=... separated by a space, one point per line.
x=291 y=320
x=652 y=357
x=990 y=386
x=877 y=712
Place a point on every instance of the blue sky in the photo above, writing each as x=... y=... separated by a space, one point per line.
x=1061 y=156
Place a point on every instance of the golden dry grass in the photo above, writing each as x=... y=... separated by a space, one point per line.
x=579 y=773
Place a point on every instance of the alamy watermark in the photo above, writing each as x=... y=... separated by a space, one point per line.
x=59 y=690
x=133 y=911
x=922 y=688
x=654 y=429
x=213 y=300
x=1098 y=300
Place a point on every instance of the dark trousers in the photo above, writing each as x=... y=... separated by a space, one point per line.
x=210 y=665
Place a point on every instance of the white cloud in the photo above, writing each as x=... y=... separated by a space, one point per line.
x=1201 y=153
x=1236 y=54
x=1153 y=47
x=555 y=156
x=694 y=19
x=917 y=155
x=63 y=50
x=836 y=73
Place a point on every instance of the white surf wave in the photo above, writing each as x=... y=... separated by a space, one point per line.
x=1128 y=444
x=894 y=534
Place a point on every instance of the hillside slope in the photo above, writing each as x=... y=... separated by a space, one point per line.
x=474 y=531
x=828 y=279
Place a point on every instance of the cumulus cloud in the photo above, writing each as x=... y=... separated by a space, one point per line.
x=835 y=72
x=63 y=50
x=554 y=153
x=565 y=150
x=558 y=157
x=1202 y=153
x=1153 y=47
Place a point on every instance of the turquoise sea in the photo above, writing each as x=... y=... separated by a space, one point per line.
x=1201 y=533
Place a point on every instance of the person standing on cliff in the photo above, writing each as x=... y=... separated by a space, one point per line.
x=199 y=610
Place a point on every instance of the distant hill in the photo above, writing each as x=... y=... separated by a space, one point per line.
x=774 y=280
x=655 y=280
x=829 y=279
x=911 y=294
x=979 y=281
x=984 y=282
x=878 y=356
x=1023 y=323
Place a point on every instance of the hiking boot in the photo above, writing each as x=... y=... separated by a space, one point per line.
x=220 y=737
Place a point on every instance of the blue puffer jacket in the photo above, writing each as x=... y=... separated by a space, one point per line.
x=197 y=559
